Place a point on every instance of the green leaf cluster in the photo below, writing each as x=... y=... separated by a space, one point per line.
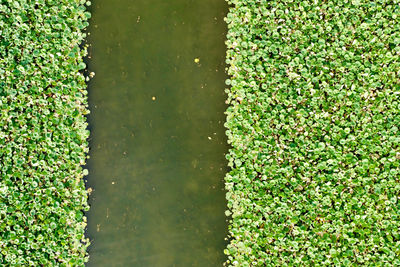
x=313 y=122
x=43 y=136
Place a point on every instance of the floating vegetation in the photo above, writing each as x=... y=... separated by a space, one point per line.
x=43 y=136
x=313 y=123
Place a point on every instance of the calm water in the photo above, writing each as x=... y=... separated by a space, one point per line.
x=157 y=137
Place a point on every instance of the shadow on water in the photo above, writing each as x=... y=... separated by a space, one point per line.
x=157 y=137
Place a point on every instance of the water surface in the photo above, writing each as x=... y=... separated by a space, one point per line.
x=157 y=137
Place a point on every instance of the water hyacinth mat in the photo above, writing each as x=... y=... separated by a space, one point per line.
x=313 y=124
x=43 y=136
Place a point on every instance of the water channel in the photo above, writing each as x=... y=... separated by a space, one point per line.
x=157 y=137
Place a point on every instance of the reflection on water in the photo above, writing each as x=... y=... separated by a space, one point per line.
x=157 y=137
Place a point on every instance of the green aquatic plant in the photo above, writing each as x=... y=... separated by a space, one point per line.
x=313 y=124
x=43 y=136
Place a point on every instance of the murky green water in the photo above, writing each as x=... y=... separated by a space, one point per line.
x=157 y=137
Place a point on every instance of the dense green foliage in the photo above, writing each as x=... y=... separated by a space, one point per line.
x=43 y=136
x=314 y=126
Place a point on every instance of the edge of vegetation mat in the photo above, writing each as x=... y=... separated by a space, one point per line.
x=43 y=136
x=314 y=125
